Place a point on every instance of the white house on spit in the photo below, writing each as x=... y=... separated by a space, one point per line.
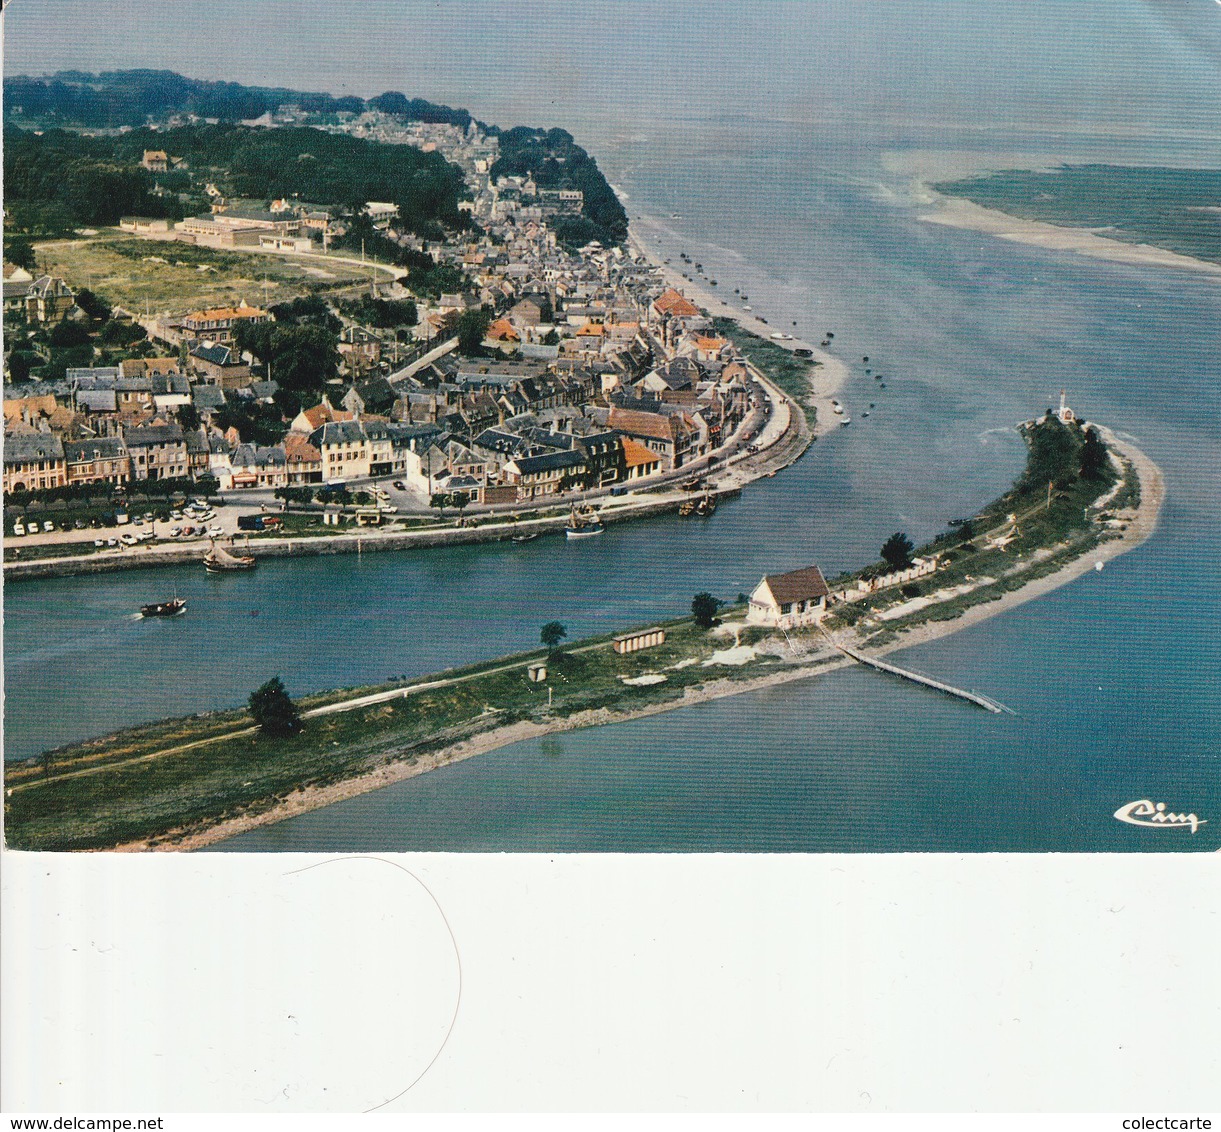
x=789 y=600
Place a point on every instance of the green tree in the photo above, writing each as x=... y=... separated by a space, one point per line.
x=704 y=609
x=441 y=500
x=19 y=250
x=273 y=711
x=1093 y=456
x=897 y=551
x=552 y=634
x=472 y=329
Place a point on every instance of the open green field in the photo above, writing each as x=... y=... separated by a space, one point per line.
x=125 y=270
x=1175 y=209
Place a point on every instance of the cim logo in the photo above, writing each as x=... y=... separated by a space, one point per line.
x=1155 y=815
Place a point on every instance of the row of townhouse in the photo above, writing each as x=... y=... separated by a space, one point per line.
x=38 y=461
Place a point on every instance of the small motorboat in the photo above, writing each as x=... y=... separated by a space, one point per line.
x=529 y=536
x=171 y=608
x=686 y=510
x=706 y=506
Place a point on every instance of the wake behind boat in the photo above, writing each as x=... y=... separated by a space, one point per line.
x=171 y=608
x=219 y=561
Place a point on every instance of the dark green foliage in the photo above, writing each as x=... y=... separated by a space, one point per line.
x=66 y=333
x=118 y=333
x=307 y=309
x=128 y=98
x=1053 y=453
x=472 y=329
x=897 y=551
x=20 y=251
x=704 y=609
x=552 y=634
x=96 y=180
x=555 y=161
x=273 y=711
x=93 y=305
x=383 y=313
x=303 y=358
x=1092 y=459
x=188 y=417
x=255 y=422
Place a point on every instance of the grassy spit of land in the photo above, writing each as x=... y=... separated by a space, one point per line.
x=189 y=782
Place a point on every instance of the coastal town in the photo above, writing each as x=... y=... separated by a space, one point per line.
x=544 y=373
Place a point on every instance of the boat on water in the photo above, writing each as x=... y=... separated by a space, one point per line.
x=687 y=509
x=836 y=407
x=171 y=608
x=706 y=506
x=583 y=524
x=526 y=536
x=220 y=561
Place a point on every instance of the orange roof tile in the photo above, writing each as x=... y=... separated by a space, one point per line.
x=635 y=454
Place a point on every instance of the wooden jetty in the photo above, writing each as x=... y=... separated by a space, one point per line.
x=985 y=702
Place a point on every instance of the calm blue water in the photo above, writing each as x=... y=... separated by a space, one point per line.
x=1113 y=677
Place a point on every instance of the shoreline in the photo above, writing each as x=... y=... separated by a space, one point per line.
x=1138 y=530
x=959 y=212
x=831 y=373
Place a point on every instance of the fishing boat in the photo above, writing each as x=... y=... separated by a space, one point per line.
x=171 y=608
x=687 y=509
x=583 y=525
x=706 y=506
x=529 y=536
x=219 y=561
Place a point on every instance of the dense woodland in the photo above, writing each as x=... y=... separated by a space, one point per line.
x=60 y=179
x=129 y=98
x=555 y=161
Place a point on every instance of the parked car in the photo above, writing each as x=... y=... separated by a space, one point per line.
x=128 y=539
x=79 y=525
x=99 y=542
x=216 y=532
x=112 y=542
x=400 y=485
x=48 y=526
x=175 y=532
x=389 y=509
x=19 y=528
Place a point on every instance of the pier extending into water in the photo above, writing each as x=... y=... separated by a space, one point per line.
x=985 y=702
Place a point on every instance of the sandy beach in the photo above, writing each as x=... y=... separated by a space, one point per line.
x=955 y=212
x=1139 y=526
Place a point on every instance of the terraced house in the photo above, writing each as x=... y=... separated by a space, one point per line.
x=158 y=451
x=102 y=459
x=33 y=462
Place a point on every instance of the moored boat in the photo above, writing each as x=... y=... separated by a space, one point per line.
x=171 y=608
x=583 y=525
x=219 y=561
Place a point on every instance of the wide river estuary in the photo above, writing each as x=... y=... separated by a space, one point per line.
x=1113 y=677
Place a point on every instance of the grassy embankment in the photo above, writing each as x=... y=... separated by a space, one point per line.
x=141 y=783
x=98 y=794
x=1175 y=209
x=793 y=374
x=1050 y=531
x=125 y=270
